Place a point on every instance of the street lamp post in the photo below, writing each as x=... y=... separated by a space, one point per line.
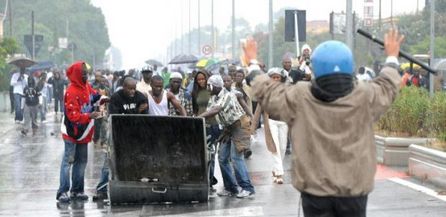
x=270 y=35
x=432 y=46
x=199 y=30
x=233 y=29
x=212 y=28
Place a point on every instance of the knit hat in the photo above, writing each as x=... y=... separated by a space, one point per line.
x=176 y=75
x=216 y=81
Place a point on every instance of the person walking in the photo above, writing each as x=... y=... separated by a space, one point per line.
x=31 y=107
x=331 y=123
x=18 y=81
x=59 y=85
x=276 y=132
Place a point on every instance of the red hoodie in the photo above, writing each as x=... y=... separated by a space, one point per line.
x=77 y=126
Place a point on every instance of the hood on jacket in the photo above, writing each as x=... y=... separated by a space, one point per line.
x=31 y=82
x=74 y=73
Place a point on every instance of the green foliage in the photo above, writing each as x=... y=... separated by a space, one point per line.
x=436 y=116
x=423 y=46
x=407 y=113
x=84 y=22
x=8 y=46
x=416 y=114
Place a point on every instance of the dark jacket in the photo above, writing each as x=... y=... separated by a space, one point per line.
x=58 y=86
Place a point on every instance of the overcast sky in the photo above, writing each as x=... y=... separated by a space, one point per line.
x=142 y=29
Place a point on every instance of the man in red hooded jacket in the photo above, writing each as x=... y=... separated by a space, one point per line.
x=77 y=130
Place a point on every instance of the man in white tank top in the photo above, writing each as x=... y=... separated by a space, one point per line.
x=159 y=99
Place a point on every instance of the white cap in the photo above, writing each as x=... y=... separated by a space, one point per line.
x=176 y=75
x=277 y=71
x=216 y=81
x=305 y=47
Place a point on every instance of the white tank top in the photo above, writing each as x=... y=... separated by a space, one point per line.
x=159 y=108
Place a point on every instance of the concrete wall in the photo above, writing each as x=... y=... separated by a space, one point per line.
x=4 y=101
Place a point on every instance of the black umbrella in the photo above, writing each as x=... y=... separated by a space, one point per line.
x=183 y=58
x=154 y=62
x=21 y=62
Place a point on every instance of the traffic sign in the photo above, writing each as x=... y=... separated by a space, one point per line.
x=206 y=50
x=28 y=41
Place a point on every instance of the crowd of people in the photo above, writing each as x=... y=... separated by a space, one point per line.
x=312 y=110
x=223 y=99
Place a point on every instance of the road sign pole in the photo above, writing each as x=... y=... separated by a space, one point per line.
x=33 y=53
x=296 y=33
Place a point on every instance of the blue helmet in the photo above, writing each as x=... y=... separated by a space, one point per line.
x=332 y=57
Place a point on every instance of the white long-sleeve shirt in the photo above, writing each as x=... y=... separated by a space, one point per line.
x=19 y=85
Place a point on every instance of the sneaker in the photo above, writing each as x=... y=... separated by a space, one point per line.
x=100 y=196
x=245 y=194
x=212 y=189
x=248 y=153
x=225 y=193
x=63 y=198
x=79 y=196
x=24 y=132
x=278 y=180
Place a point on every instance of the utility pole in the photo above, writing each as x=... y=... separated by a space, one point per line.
x=233 y=29
x=349 y=25
x=391 y=12
x=270 y=35
x=181 y=26
x=432 y=47
x=10 y=18
x=189 y=34
x=379 y=19
x=212 y=28
x=33 y=53
x=199 y=30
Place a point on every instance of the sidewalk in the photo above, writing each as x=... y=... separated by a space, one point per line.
x=6 y=123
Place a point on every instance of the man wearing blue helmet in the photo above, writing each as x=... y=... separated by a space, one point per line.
x=331 y=124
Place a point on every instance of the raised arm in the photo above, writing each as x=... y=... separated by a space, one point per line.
x=277 y=99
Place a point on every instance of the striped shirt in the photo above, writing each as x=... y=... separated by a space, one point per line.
x=231 y=111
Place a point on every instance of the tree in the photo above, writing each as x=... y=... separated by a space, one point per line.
x=84 y=22
x=8 y=46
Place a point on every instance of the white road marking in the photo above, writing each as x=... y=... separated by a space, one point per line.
x=420 y=188
x=244 y=211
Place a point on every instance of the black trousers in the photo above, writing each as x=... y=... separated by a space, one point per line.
x=315 y=206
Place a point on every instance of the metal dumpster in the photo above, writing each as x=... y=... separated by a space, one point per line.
x=155 y=159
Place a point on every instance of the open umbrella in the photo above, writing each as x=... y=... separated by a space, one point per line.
x=183 y=58
x=203 y=63
x=44 y=65
x=154 y=62
x=21 y=62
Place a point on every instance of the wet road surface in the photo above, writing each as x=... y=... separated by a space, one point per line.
x=29 y=178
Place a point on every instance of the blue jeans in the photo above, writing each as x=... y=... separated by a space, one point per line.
x=213 y=131
x=75 y=158
x=18 y=107
x=43 y=109
x=103 y=181
x=228 y=152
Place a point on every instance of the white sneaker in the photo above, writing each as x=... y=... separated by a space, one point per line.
x=245 y=194
x=225 y=193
